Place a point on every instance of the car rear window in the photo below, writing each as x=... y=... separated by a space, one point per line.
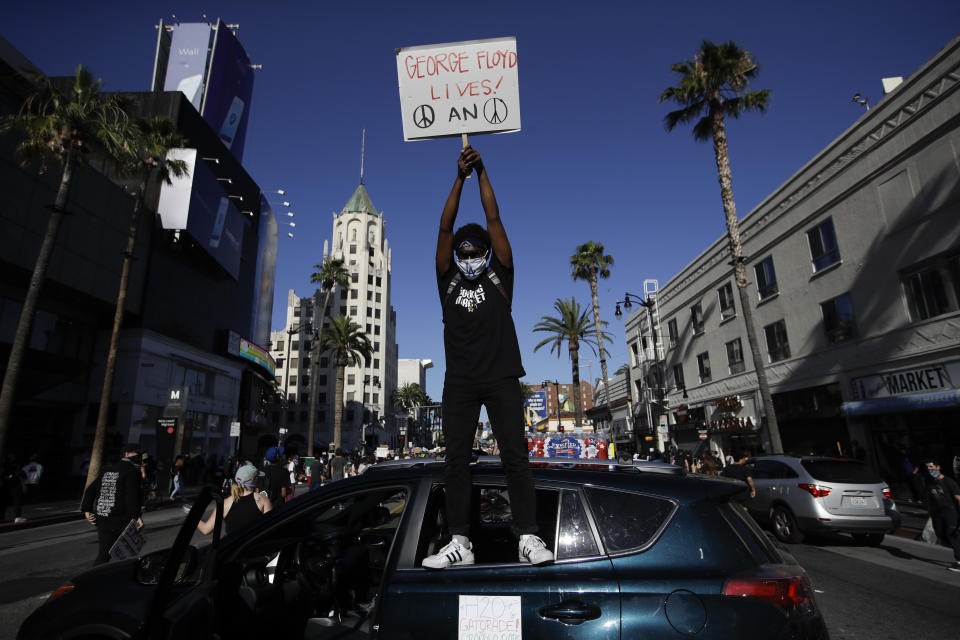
x=628 y=520
x=847 y=471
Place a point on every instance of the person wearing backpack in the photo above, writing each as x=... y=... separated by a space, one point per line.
x=475 y=282
x=943 y=504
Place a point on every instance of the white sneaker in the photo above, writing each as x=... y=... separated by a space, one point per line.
x=19 y=520
x=534 y=551
x=456 y=552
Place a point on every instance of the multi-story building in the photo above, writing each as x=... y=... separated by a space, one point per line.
x=854 y=264
x=560 y=395
x=413 y=371
x=359 y=239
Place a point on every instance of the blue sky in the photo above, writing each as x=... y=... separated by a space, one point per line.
x=593 y=161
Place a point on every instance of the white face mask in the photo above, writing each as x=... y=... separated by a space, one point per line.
x=471 y=268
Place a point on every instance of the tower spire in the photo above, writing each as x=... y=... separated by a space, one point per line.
x=363 y=140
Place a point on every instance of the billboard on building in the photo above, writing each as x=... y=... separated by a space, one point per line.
x=535 y=409
x=187 y=64
x=196 y=203
x=229 y=90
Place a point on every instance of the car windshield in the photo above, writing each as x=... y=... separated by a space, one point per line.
x=848 y=471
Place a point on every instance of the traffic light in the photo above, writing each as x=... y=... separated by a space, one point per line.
x=560 y=428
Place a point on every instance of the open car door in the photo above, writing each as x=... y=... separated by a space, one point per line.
x=184 y=603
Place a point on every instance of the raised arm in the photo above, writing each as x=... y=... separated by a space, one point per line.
x=449 y=216
x=498 y=235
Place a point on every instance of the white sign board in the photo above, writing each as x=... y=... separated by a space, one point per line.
x=234 y=429
x=459 y=87
x=382 y=452
x=489 y=618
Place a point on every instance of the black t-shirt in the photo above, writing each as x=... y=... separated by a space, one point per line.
x=737 y=471
x=479 y=337
x=277 y=478
x=115 y=495
x=940 y=494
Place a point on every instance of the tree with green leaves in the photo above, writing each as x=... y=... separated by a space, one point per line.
x=590 y=263
x=332 y=273
x=62 y=125
x=624 y=369
x=714 y=86
x=409 y=396
x=571 y=326
x=349 y=346
x=145 y=160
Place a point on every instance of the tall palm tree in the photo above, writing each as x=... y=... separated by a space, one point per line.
x=146 y=159
x=62 y=126
x=332 y=273
x=572 y=326
x=589 y=263
x=349 y=346
x=409 y=396
x=713 y=86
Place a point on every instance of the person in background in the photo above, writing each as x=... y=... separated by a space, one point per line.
x=113 y=500
x=943 y=504
x=338 y=465
x=13 y=485
x=740 y=471
x=176 y=475
x=244 y=506
x=277 y=476
x=317 y=473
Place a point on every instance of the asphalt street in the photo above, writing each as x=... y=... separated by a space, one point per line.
x=898 y=590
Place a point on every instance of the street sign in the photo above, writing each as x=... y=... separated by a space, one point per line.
x=459 y=88
x=176 y=405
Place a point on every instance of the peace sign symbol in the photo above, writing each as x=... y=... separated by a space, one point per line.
x=423 y=116
x=495 y=110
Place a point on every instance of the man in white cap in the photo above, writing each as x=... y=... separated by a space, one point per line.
x=475 y=283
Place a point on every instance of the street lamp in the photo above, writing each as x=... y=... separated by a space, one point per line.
x=556 y=390
x=649 y=303
x=861 y=100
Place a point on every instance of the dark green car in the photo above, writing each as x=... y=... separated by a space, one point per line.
x=641 y=552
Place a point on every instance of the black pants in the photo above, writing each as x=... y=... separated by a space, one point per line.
x=945 y=524
x=107 y=533
x=461 y=410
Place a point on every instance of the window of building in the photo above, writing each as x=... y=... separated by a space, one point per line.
x=343 y=311
x=305 y=381
x=369 y=312
x=353 y=310
x=376 y=313
x=369 y=296
x=344 y=293
x=366 y=397
x=200 y=383
x=370 y=280
x=351 y=397
x=370 y=252
x=673 y=332
x=355 y=277
x=766 y=278
x=735 y=356
x=823 y=245
x=777 y=346
x=295 y=345
x=634 y=347
x=703 y=366
x=838 y=318
x=376 y=329
x=379 y=281
x=322 y=380
x=368 y=328
x=376 y=398
x=377 y=297
x=279 y=379
x=376 y=363
x=376 y=347
x=294 y=363
x=678 y=376
x=351 y=378
x=927 y=290
x=353 y=249
x=308 y=311
x=322 y=396
x=324 y=363
x=293 y=382
x=280 y=362
x=696 y=317
x=725 y=295
x=354 y=294
x=296 y=311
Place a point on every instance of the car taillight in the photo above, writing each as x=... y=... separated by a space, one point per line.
x=887 y=493
x=816 y=490
x=788 y=591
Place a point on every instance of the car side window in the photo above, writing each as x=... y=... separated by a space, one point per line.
x=628 y=520
x=782 y=471
x=575 y=538
x=764 y=470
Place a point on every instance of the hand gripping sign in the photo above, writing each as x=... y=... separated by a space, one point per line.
x=459 y=88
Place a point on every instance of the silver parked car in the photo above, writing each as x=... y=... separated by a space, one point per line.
x=814 y=494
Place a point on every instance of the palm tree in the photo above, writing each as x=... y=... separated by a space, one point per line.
x=590 y=263
x=350 y=346
x=624 y=369
x=573 y=327
x=409 y=396
x=60 y=126
x=712 y=86
x=147 y=158
x=332 y=273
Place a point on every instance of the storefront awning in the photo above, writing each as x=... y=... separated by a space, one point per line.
x=918 y=402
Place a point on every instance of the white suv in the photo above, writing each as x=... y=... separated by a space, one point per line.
x=814 y=494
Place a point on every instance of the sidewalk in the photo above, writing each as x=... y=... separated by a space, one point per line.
x=39 y=514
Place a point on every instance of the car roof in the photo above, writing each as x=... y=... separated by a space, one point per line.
x=790 y=456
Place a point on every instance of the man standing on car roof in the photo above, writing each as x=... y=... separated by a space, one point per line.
x=475 y=282
x=113 y=500
x=943 y=503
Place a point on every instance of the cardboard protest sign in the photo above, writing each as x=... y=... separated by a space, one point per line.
x=459 y=88
x=489 y=618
